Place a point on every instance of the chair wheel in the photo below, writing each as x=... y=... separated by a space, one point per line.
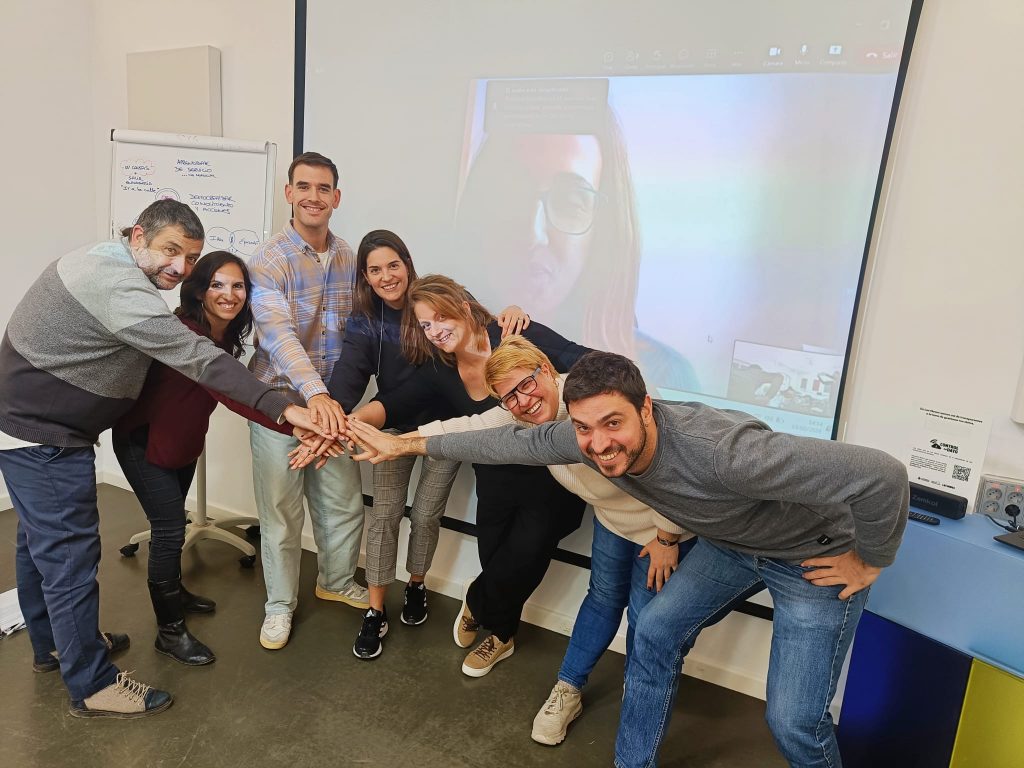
x=252 y=532
x=129 y=550
x=247 y=561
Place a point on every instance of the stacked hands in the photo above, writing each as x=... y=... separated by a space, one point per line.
x=361 y=441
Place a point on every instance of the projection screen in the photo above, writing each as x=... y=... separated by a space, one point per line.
x=692 y=184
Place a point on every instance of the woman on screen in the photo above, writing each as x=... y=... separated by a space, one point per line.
x=372 y=347
x=522 y=513
x=158 y=442
x=551 y=215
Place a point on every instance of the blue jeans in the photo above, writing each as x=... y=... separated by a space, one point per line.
x=58 y=554
x=335 y=498
x=812 y=632
x=618 y=580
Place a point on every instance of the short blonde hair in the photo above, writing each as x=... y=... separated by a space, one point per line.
x=513 y=352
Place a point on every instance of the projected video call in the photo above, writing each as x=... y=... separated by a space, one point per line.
x=701 y=207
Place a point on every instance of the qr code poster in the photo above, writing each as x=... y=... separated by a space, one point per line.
x=947 y=451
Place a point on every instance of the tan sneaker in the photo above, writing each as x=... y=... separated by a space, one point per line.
x=355 y=595
x=563 y=706
x=482 y=658
x=465 y=628
x=124 y=699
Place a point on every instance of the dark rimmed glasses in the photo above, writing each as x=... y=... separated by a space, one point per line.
x=525 y=387
x=570 y=203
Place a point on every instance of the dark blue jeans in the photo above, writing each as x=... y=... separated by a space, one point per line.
x=811 y=634
x=161 y=492
x=58 y=554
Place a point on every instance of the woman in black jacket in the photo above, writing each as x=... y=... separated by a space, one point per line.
x=522 y=512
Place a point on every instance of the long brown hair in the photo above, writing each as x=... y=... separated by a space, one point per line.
x=364 y=300
x=194 y=288
x=447 y=297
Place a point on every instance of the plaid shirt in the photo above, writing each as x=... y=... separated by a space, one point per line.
x=300 y=310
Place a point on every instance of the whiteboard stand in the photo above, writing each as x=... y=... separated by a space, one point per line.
x=203 y=527
x=230 y=185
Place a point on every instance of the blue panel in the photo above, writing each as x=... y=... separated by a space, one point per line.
x=953 y=583
x=903 y=698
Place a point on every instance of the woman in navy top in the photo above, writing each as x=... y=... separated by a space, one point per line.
x=158 y=442
x=372 y=347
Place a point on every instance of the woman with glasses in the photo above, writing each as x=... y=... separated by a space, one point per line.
x=552 y=215
x=522 y=513
x=158 y=442
x=372 y=347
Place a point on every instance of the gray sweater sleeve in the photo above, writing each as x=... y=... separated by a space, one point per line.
x=762 y=464
x=544 y=445
x=141 y=320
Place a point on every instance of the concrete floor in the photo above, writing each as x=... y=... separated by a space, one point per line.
x=313 y=703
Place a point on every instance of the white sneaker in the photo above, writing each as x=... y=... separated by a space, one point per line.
x=275 y=630
x=355 y=595
x=563 y=706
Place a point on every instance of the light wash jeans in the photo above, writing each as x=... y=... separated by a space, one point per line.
x=335 y=498
x=618 y=580
x=811 y=634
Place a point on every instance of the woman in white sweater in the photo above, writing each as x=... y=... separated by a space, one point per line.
x=634 y=548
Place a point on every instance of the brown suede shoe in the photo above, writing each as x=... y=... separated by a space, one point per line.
x=487 y=654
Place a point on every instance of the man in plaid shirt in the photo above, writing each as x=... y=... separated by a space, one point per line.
x=302 y=296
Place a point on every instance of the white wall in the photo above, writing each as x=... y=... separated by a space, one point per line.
x=942 y=320
x=48 y=198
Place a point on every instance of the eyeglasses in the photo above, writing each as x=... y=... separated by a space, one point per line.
x=570 y=203
x=524 y=387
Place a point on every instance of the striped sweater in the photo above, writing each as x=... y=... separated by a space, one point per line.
x=78 y=345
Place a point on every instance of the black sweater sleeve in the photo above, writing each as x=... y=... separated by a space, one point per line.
x=404 y=403
x=356 y=364
x=562 y=352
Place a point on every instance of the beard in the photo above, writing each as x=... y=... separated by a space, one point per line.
x=632 y=456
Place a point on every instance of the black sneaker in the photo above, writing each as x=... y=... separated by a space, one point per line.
x=414 y=611
x=375 y=625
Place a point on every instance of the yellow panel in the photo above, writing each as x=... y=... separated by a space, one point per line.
x=990 y=735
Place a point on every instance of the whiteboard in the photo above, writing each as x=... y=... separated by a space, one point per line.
x=229 y=183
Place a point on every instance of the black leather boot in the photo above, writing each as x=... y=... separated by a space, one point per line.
x=172 y=637
x=196 y=603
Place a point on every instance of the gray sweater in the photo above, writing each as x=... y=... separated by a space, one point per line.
x=79 y=344
x=729 y=478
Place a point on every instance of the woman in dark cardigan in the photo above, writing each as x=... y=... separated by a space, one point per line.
x=373 y=348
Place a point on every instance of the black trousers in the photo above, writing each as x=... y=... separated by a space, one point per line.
x=161 y=492
x=521 y=516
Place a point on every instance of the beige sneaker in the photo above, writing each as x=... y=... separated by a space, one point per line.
x=355 y=595
x=465 y=628
x=563 y=706
x=124 y=699
x=276 y=629
x=482 y=658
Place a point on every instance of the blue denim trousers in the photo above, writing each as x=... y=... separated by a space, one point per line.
x=58 y=554
x=811 y=635
x=618 y=580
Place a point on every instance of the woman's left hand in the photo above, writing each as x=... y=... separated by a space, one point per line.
x=513 y=320
x=663 y=563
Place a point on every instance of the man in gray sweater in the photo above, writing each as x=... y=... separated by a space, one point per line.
x=73 y=359
x=813 y=521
